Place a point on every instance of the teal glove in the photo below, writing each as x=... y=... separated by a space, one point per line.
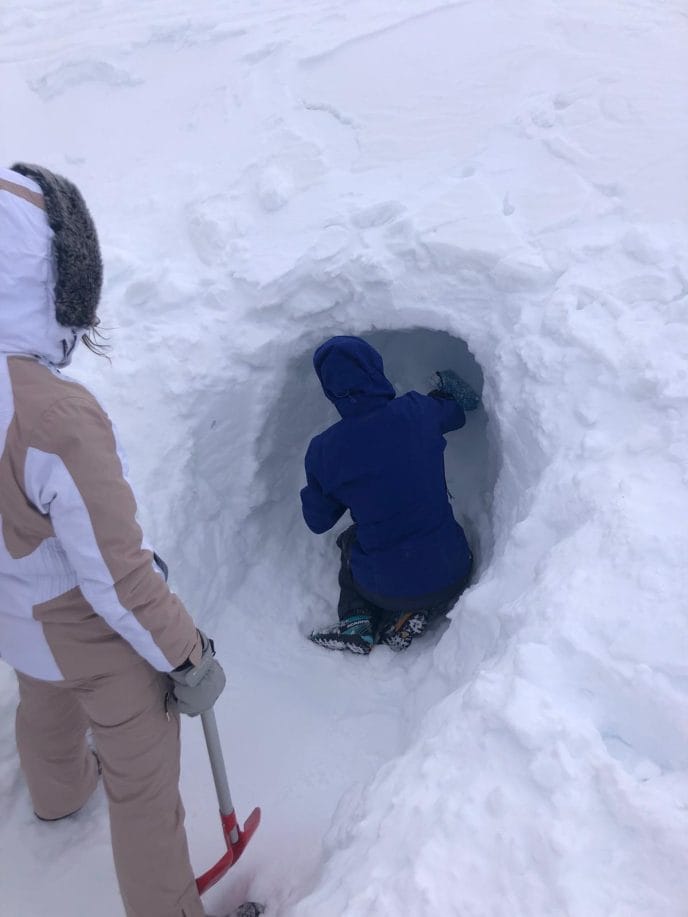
x=453 y=386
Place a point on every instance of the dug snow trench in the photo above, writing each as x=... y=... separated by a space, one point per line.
x=305 y=728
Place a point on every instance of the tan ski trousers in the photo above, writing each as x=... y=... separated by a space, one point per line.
x=138 y=746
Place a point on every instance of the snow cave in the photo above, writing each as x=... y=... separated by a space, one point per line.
x=273 y=526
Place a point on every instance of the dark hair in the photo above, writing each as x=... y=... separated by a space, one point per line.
x=96 y=341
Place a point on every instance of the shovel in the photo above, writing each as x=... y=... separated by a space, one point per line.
x=236 y=838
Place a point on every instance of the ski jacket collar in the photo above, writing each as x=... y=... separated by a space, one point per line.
x=352 y=375
x=28 y=324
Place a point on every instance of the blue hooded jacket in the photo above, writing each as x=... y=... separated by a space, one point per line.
x=384 y=462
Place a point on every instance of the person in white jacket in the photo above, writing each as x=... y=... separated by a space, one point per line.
x=87 y=621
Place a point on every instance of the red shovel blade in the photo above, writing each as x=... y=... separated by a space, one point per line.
x=234 y=848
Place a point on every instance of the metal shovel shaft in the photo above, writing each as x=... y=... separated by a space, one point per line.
x=217 y=766
x=236 y=838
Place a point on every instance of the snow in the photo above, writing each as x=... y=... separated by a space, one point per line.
x=493 y=186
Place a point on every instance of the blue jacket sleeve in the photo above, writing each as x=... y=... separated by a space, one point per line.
x=320 y=510
x=449 y=412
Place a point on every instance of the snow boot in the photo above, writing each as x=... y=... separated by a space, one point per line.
x=248 y=909
x=354 y=633
x=399 y=635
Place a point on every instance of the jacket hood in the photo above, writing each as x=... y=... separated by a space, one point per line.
x=50 y=268
x=352 y=375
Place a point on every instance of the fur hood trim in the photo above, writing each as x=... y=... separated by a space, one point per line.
x=75 y=248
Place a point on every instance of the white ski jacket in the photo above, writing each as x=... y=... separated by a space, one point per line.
x=79 y=593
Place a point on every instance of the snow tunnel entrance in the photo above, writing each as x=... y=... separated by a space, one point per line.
x=305 y=565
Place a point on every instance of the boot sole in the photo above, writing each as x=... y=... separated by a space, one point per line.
x=338 y=642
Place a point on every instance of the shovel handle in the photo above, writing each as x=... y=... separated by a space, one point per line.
x=217 y=765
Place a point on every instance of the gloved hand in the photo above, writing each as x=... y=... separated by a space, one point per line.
x=195 y=688
x=450 y=384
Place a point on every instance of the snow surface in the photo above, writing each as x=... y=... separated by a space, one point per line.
x=510 y=177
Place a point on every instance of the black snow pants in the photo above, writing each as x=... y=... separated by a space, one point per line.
x=384 y=610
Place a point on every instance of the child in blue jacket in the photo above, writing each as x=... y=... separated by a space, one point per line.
x=405 y=560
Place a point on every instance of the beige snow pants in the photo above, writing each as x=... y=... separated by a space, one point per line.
x=138 y=745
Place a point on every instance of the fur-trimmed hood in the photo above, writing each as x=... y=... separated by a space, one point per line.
x=50 y=266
